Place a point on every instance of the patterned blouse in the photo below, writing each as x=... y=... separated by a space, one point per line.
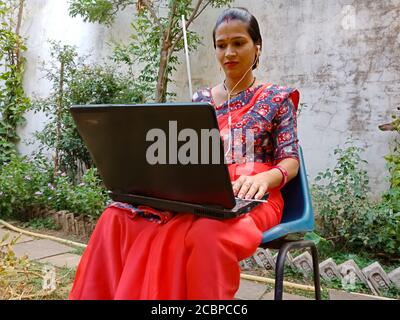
x=272 y=119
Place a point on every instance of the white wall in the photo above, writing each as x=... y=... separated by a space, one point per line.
x=46 y=20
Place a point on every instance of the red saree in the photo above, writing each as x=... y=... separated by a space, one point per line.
x=187 y=257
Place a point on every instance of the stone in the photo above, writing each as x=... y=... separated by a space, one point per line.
x=42 y=212
x=51 y=212
x=58 y=218
x=13 y=235
x=303 y=262
x=69 y=260
x=288 y=261
x=329 y=270
x=70 y=222
x=81 y=227
x=250 y=263
x=376 y=277
x=350 y=269
x=76 y=226
x=394 y=276
x=264 y=259
x=89 y=227
x=63 y=220
x=39 y=249
x=250 y=290
x=286 y=296
x=92 y=226
x=343 y=295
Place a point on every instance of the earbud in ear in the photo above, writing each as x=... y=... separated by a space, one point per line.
x=258 y=53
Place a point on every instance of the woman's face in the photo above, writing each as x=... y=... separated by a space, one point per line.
x=235 y=50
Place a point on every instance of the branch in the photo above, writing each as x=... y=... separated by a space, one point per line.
x=196 y=12
x=200 y=12
x=156 y=19
x=17 y=31
x=20 y=13
x=171 y=21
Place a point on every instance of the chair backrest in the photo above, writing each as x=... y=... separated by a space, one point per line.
x=298 y=214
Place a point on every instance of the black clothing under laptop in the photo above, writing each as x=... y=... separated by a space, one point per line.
x=120 y=139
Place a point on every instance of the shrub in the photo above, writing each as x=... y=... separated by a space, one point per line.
x=29 y=183
x=13 y=100
x=87 y=198
x=346 y=215
x=81 y=84
x=21 y=185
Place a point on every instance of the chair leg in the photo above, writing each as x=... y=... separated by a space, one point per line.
x=280 y=264
x=317 y=284
x=279 y=268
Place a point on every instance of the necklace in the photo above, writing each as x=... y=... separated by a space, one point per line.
x=235 y=94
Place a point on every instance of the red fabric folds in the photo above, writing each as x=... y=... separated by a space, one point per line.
x=189 y=257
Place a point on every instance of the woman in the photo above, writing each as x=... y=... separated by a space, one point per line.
x=142 y=253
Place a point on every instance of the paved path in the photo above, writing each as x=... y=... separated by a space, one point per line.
x=60 y=255
x=43 y=250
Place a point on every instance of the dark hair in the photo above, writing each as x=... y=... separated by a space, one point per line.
x=241 y=14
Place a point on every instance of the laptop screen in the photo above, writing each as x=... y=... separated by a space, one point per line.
x=167 y=151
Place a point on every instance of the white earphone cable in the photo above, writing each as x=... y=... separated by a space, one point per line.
x=229 y=110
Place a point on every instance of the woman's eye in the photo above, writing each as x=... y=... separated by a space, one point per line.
x=238 y=44
x=221 y=46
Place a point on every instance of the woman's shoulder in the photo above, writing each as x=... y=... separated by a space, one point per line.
x=280 y=93
x=277 y=88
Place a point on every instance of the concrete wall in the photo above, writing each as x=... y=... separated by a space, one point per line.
x=343 y=56
x=46 y=20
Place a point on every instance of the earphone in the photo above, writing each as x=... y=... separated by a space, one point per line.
x=258 y=54
x=229 y=98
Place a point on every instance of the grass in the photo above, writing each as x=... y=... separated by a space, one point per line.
x=22 y=279
x=27 y=284
x=78 y=251
x=41 y=223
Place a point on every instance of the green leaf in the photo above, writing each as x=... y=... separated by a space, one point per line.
x=312 y=236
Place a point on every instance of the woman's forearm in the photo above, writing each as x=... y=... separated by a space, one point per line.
x=274 y=176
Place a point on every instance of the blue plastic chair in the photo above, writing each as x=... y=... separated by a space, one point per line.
x=298 y=217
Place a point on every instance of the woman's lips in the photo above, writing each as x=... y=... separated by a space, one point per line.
x=231 y=64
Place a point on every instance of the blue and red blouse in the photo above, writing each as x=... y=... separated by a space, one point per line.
x=273 y=119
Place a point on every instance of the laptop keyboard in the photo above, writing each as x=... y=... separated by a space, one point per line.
x=240 y=203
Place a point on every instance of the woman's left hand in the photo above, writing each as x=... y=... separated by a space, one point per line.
x=247 y=187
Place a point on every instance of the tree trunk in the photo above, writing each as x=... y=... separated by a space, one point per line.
x=17 y=31
x=161 y=89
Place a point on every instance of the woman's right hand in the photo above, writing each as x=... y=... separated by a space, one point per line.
x=249 y=187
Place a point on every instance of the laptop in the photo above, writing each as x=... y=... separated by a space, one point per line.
x=167 y=156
